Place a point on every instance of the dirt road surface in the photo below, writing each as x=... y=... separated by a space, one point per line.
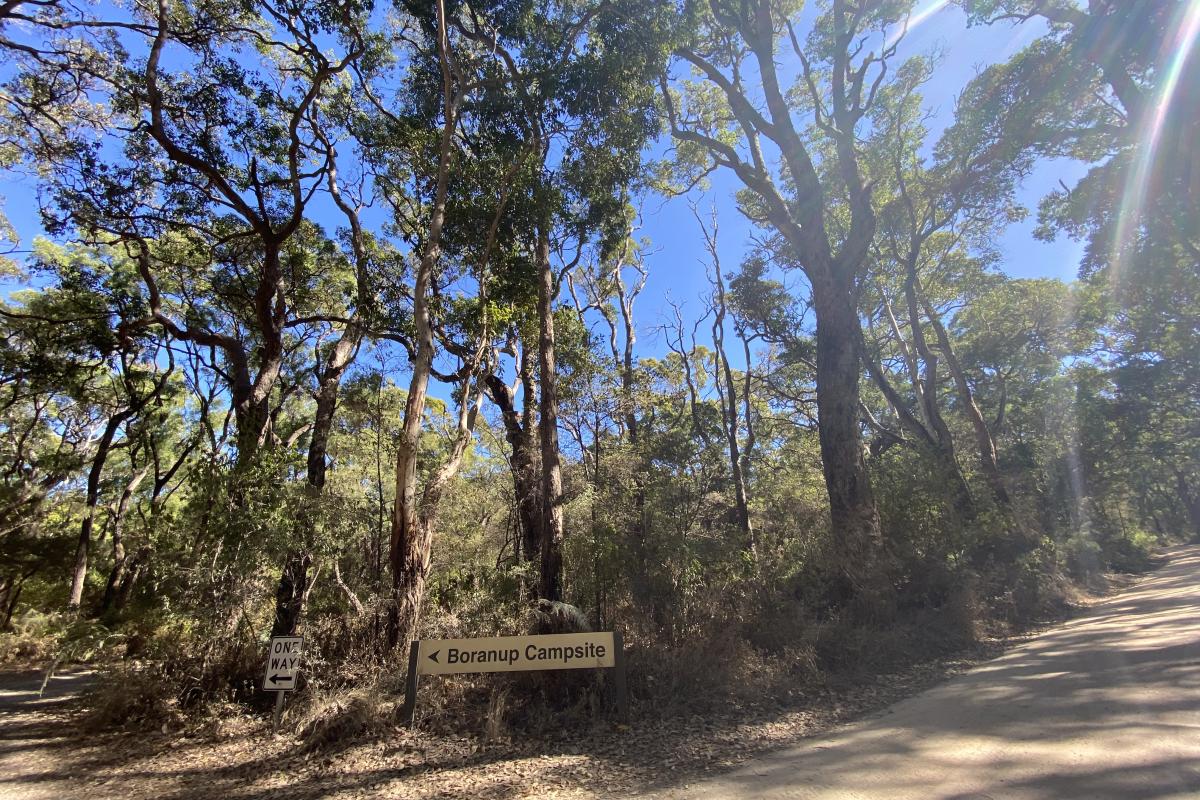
x=32 y=729
x=1104 y=706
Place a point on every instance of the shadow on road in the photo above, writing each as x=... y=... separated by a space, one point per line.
x=1104 y=706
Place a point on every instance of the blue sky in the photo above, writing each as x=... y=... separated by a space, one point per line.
x=676 y=257
x=677 y=269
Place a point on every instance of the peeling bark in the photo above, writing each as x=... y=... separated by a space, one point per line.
x=551 y=585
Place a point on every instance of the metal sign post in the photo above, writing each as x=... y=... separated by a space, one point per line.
x=283 y=669
x=516 y=654
x=410 y=687
x=620 y=686
x=278 y=710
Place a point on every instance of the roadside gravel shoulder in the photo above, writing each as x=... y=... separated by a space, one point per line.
x=43 y=756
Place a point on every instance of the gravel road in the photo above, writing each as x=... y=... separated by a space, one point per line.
x=33 y=731
x=1104 y=706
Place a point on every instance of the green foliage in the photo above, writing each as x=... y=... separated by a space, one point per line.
x=82 y=640
x=208 y=295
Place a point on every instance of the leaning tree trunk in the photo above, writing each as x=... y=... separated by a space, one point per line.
x=727 y=394
x=411 y=554
x=524 y=470
x=927 y=391
x=1017 y=540
x=12 y=596
x=1190 y=500
x=294 y=584
x=519 y=433
x=410 y=544
x=551 y=587
x=409 y=549
x=135 y=566
x=984 y=443
x=930 y=439
x=118 y=538
x=7 y=587
x=93 y=497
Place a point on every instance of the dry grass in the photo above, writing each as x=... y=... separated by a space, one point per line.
x=344 y=716
x=132 y=697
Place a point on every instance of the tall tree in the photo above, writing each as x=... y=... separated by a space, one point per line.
x=938 y=221
x=581 y=102
x=132 y=400
x=412 y=531
x=1112 y=84
x=732 y=418
x=737 y=117
x=333 y=361
x=206 y=184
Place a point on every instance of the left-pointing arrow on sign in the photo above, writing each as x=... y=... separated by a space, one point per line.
x=433 y=656
x=274 y=679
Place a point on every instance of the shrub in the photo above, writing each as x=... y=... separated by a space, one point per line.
x=132 y=697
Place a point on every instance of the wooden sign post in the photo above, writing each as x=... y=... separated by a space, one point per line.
x=516 y=654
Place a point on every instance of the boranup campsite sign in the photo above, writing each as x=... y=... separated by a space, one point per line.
x=602 y=650
x=516 y=653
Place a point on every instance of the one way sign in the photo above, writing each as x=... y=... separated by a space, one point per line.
x=283 y=663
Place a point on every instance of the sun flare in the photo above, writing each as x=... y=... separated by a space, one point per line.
x=1150 y=130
